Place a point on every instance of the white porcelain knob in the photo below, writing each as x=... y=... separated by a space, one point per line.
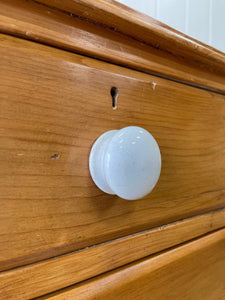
x=125 y=162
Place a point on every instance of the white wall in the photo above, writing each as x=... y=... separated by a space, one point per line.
x=201 y=19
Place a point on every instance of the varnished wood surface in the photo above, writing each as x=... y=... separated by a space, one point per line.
x=141 y=27
x=151 y=47
x=75 y=267
x=54 y=105
x=190 y=272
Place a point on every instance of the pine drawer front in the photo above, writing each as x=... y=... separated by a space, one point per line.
x=192 y=271
x=54 y=105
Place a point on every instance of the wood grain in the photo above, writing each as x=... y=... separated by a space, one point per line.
x=196 y=64
x=142 y=28
x=193 y=271
x=54 y=104
x=72 y=268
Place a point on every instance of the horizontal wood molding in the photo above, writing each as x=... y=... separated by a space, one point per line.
x=195 y=270
x=143 y=28
x=72 y=268
x=108 y=31
x=57 y=102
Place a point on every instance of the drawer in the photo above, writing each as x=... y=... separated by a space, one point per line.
x=54 y=105
x=78 y=266
x=193 y=271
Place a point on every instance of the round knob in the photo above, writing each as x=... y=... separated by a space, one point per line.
x=125 y=162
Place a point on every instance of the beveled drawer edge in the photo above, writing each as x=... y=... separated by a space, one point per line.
x=190 y=62
x=191 y=270
x=65 y=270
x=143 y=28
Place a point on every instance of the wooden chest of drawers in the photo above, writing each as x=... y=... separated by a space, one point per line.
x=58 y=229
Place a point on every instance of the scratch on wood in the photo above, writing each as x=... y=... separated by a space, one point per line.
x=154 y=84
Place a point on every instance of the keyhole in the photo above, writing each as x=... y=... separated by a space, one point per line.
x=114 y=93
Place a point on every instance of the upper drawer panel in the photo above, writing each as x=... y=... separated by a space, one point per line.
x=55 y=102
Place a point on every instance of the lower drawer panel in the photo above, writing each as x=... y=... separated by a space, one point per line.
x=190 y=272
